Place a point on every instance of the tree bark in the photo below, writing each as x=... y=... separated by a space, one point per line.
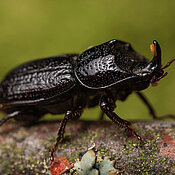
x=25 y=149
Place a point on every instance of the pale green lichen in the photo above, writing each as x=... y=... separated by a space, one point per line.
x=85 y=166
x=106 y=166
x=89 y=165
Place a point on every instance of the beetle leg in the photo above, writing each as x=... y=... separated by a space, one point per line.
x=150 y=108
x=106 y=105
x=8 y=117
x=75 y=114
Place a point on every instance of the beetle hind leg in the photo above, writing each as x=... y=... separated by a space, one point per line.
x=8 y=117
x=107 y=108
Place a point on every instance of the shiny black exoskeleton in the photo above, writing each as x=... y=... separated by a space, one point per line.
x=69 y=83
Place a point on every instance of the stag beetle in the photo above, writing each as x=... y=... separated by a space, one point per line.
x=69 y=83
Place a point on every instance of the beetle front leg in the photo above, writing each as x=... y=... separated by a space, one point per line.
x=107 y=106
x=151 y=109
x=73 y=115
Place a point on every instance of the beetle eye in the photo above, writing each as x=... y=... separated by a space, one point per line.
x=145 y=76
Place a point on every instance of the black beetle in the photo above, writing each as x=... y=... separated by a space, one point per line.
x=69 y=83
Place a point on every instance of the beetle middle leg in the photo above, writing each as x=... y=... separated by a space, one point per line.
x=151 y=109
x=73 y=114
x=107 y=106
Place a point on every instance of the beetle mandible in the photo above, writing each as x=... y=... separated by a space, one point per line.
x=68 y=83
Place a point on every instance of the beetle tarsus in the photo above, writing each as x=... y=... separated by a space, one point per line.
x=134 y=134
x=170 y=116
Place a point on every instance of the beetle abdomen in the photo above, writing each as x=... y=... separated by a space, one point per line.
x=40 y=79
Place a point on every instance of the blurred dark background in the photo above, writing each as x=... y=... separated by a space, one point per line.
x=33 y=29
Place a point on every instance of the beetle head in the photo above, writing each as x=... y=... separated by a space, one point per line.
x=153 y=71
x=157 y=71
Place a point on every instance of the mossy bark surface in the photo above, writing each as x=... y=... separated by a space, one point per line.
x=25 y=149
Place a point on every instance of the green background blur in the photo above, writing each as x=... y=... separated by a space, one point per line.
x=31 y=29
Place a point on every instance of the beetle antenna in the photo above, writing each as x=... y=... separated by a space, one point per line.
x=169 y=63
x=165 y=74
